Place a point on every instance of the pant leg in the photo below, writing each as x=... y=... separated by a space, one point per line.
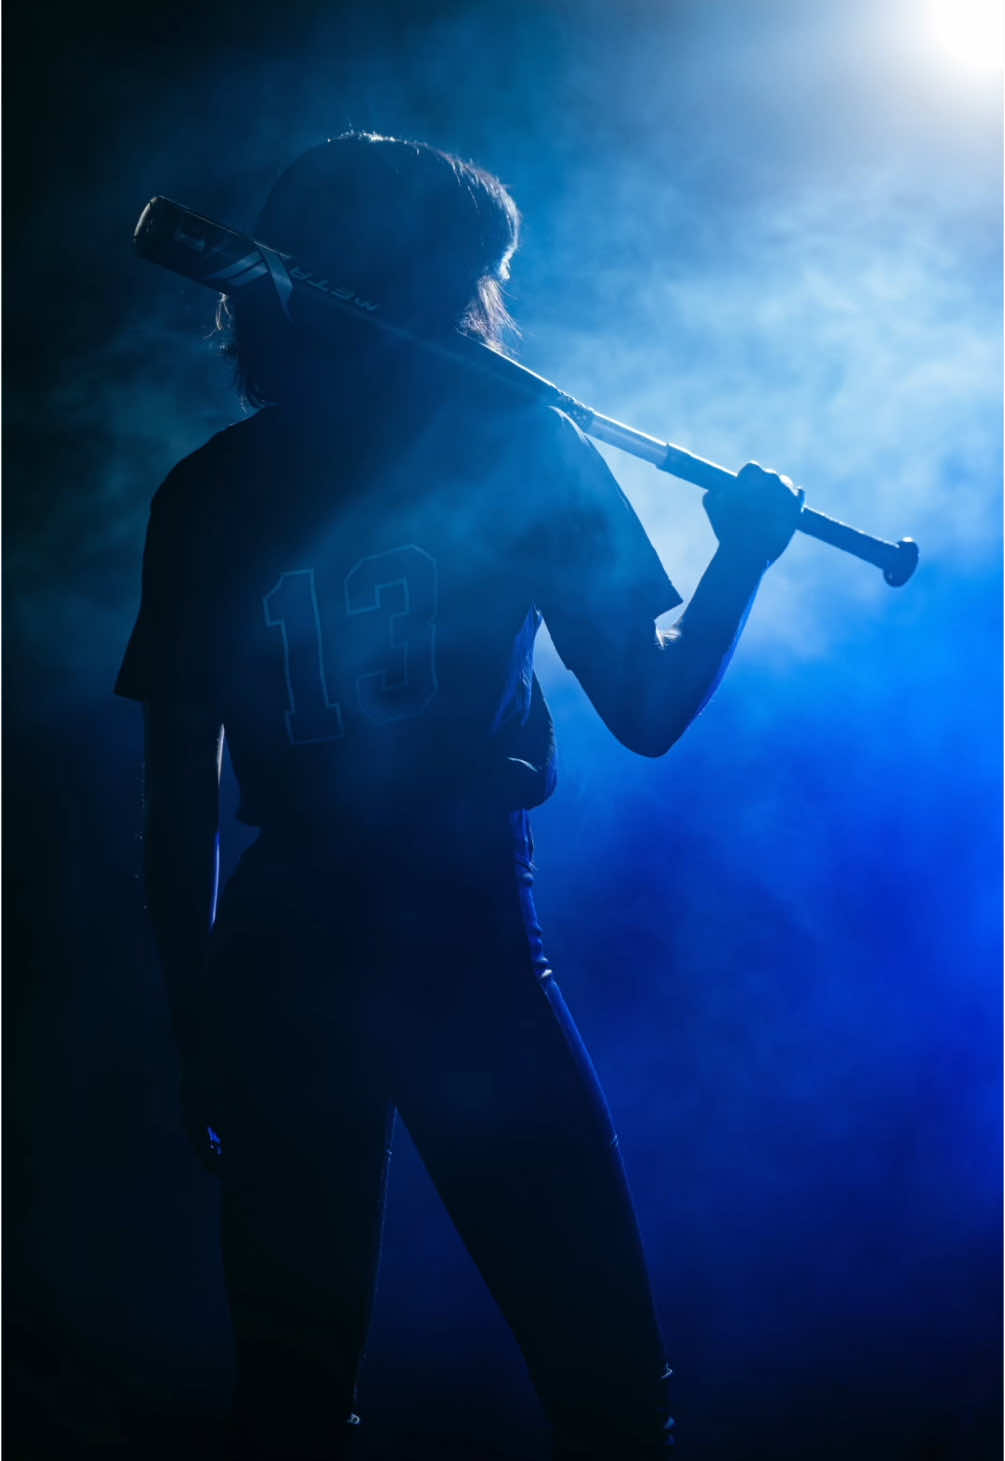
x=305 y=1120
x=506 y=1110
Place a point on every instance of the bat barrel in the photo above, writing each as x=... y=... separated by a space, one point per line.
x=897 y=560
x=188 y=244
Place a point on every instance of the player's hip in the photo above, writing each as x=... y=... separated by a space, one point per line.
x=391 y=898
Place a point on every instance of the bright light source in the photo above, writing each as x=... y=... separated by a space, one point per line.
x=968 y=31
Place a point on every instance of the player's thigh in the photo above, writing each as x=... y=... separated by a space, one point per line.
x=303 y=1102
x=288 y=1001
x=515 y=1131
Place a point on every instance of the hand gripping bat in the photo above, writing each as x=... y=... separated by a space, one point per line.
x=228 y=262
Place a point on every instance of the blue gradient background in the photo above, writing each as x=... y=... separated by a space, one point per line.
x=765 y=230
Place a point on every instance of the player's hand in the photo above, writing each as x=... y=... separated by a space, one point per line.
x=755 y=513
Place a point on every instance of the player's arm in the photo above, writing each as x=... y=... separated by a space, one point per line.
x=183 y=751
x=649 y=687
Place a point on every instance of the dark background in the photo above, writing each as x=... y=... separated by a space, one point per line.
x=766 y=230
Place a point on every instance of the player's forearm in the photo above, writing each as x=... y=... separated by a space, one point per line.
x=753 y=515
x=693 y=656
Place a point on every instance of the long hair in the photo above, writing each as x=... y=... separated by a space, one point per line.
x=428 y=236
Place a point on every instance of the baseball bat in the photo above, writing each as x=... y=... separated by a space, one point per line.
x=227 y=261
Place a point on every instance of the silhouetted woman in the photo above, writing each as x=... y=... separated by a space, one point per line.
x=350 y=582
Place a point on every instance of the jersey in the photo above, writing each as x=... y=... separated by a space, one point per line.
x=356 y=595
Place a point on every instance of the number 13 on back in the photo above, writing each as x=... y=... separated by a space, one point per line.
x=390 y=602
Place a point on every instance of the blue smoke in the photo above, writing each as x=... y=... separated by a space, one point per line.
x=762 y=231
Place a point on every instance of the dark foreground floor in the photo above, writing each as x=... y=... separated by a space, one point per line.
x=77 y=1409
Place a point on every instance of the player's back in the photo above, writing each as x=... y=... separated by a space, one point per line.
x=353 y=585
x=357 y=595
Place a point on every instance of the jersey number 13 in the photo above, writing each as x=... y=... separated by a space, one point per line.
x=390 y=603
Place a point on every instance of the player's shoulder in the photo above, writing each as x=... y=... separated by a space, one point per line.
x=495 y=402
x=567 y=440
x=540 y=440
x=568 y=461
x=212 y=473
x=541 y=426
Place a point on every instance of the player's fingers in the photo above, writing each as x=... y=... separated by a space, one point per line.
x=750 y=472
x=753 y=472
x=768 y=489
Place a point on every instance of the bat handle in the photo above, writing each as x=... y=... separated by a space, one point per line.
x=897 y=560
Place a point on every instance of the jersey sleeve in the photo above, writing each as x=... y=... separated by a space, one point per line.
x=169 y=655
x=598 y=575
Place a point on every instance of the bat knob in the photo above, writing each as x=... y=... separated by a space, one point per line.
x=903 y=562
